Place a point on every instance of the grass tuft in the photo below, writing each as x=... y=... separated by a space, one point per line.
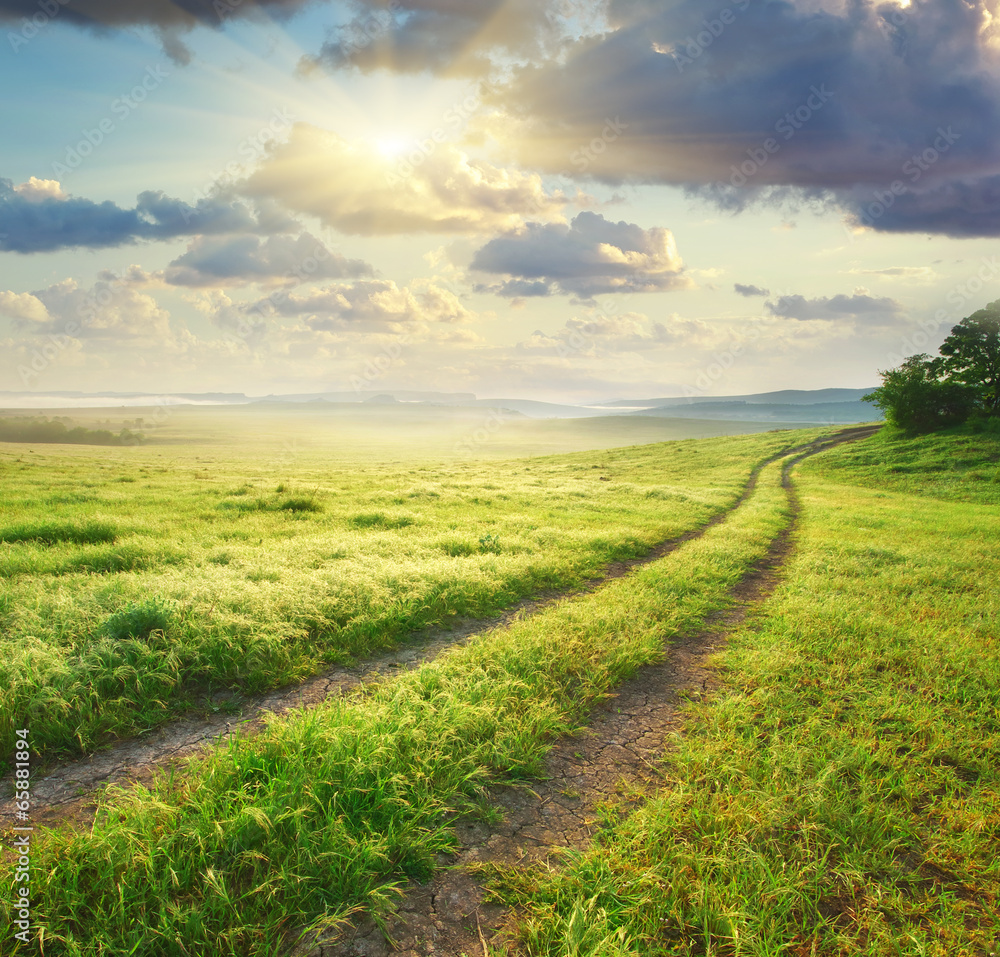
x=139 y=620
x=381 y=520
x=301 y=504
x=55 y=533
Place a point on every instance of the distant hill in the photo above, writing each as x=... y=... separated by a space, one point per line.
x=784 y=397
x=822 y=413
x=820 y=406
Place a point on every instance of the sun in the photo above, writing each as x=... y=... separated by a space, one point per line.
x=391 y=147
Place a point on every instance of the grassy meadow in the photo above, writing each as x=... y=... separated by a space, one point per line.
x=332 y=809
x=841 y=795
x=237 y=552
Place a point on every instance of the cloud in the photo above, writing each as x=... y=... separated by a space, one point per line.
x=833 y=307
x=589 y=257
x=168 y=17
x=521 y=288
x=41 y=218
x=237 y=260
x=376 y=304
x=35 y=190
x=601 y=334
x=354 y=188
x=899 y=273
x=963 y=207
x=113 y=309
x=837 y=100
x=750 y=290
x=438 y=36
x=24 y=307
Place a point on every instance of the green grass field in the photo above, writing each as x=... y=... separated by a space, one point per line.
x=136 y=581
x=839 y=795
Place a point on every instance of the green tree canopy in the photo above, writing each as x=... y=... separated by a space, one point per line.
x=925 y=394
x=915 y=398
x=971 y=355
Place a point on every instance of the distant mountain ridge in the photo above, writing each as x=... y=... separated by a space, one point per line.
x=818 y=407
x=784 y=397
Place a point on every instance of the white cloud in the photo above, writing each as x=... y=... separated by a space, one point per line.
x=589 y=257
x=35 y=190
x=353 y=187
x=239 y=260
x=23 y=306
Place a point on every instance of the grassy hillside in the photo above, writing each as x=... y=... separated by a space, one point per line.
x=135 y=580
x=841 y=795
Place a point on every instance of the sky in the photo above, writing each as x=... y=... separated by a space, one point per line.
x=567 y=200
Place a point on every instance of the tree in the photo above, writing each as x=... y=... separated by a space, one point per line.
x=971 y=355
x=915 y=398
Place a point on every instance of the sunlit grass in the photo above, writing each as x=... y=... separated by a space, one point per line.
x=271 y=573
x=334 y=808
x=842 y=794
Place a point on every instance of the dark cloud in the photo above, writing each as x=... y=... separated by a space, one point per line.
x=750 y=290
x=520 y=289
x=104 y=13
x=183 y=14
x=589 y=257
x=170 y=17
x=836 y=99
x=31 y=224
x=233 y=260
x=964 y=207
x=833 y=307
x=457 y=36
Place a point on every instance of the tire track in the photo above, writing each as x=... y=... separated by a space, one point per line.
x=67 y=794
x=616 y=760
